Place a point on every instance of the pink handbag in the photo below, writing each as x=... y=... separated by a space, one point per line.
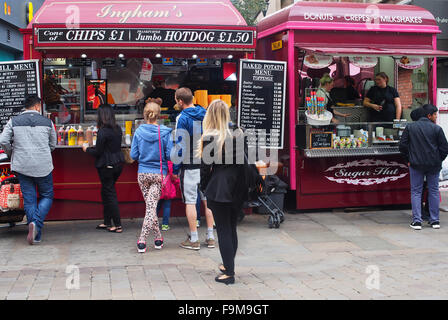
x=168 y=187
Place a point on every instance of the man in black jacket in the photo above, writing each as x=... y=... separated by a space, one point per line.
x=424 y=146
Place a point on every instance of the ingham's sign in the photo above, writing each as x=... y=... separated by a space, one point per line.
x=145 y=35
x=366 y=172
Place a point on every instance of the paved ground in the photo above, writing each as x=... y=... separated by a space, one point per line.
x=329 y=255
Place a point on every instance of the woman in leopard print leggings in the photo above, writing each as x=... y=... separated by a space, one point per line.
x=145 y=149
x=150 y=184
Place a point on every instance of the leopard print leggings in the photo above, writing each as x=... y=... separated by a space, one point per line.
x=150 y=184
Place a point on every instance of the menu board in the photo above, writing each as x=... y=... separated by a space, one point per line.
x=262 y=92
x=18 y=79
x=321 y=140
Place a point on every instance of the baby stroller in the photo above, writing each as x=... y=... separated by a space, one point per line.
x=270 y=184
x=9 y=186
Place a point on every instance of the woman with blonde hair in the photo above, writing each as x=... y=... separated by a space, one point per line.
x=326 y=84
x=151 y=147
x=222 y=153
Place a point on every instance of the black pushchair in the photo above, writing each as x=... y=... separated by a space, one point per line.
x=271 y=184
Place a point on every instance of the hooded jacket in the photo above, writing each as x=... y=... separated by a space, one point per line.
x=188 y=133
x=145 y=148
x=424 y=146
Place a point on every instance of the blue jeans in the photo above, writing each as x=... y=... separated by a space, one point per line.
x=37 y=211
x=166 y=210
x=432 y=179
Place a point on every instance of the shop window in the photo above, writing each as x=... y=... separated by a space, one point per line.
x=62 y=94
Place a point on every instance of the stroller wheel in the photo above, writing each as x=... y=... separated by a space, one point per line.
x=270 y=222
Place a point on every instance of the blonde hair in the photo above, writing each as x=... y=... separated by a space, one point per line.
x=326 y=79
x=151 y=112
x=215 y=123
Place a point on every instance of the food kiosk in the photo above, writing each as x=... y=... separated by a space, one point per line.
x=93 y=52
x=353 y=162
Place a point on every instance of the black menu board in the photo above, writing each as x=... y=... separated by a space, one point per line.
x=262 y=92
x=321 y=140
x=18 y=79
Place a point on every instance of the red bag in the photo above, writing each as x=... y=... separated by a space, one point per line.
x=11 y=197
x=168 y=187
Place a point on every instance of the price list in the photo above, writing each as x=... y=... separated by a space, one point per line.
x=18 y=79
x=262 y=101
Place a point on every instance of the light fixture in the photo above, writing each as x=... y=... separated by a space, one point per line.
x=195 y=56
x=121 y=56
x=158 y=55
x=83 y=56
x=229 y=56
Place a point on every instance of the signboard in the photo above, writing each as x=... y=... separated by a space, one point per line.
x=143 y=36
x=321 y=140
x=262 y=93
x=277 y=45
x=18 y=79
x=442 y=99
x=147 y=70
x=317 y=61
x=167 y=61
x=410 y=62
x=108 y=63
x=364 y=62
x=54 y=61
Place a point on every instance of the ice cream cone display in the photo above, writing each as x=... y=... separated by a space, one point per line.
x=212 y=97
x=201 y=98
x=227 y=98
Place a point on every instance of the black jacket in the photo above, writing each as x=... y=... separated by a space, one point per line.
x=424 y=145
x=223 y=181
x=108 y=148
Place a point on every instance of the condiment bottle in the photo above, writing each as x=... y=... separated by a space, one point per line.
x=89 y=136
x=66 y=136
x=61 y=133
x=80 y=136
x=72 y=137
x=95 y=134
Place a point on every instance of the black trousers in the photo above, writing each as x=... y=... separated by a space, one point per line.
x=226 y=216
x=108 y=177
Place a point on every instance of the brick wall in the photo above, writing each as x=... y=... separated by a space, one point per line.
x=405 y=87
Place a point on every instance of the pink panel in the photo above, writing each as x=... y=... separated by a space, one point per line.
x=353 y=16
x=179 y=12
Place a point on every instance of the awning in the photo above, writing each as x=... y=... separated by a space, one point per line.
x=398 y=52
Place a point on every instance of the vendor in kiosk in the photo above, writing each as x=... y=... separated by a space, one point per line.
x=326 y=84
x=383 y=100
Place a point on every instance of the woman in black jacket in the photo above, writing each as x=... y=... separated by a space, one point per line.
x=222 y=153
x=109 y=163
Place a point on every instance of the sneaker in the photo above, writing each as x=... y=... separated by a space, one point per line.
x=158 y=244
x=198 y=223
x=141 y=247
x=187 y=244
x=435 y=225
x=165 y=227
x=416 y=225
x=210 y=243
x=31 y=233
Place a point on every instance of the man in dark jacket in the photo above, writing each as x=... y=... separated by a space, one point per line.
x=31 y=138
x=424 y=146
